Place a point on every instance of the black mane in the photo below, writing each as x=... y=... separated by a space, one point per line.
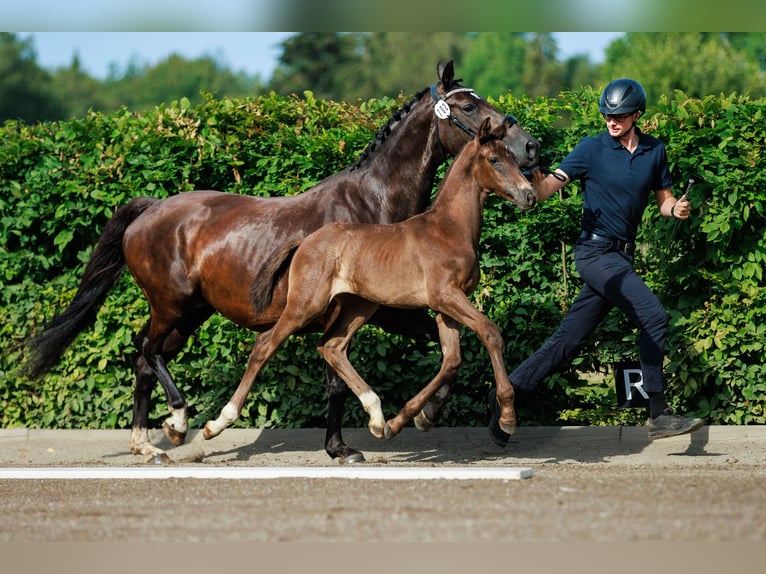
x=385 y=131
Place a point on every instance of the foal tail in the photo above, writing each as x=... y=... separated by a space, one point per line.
x=262 y=290
x=104 y=268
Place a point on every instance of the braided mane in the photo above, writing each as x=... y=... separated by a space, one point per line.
x=385 y=131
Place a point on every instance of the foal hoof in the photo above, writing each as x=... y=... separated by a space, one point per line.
x=422 y=423
x=388 y=432
x=496 y=432
x=175 y=437
x=508 y=429
x=207 y=434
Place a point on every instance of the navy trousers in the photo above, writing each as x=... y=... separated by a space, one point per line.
x=610 y=281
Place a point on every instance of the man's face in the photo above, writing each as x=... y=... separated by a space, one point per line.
x=619 y=124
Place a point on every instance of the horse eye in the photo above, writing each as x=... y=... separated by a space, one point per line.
x=469 y=108
x=493 y=160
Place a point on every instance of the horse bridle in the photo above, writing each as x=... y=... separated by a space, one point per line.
x=443 y=111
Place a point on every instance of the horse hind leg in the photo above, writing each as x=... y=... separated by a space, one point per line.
x=337 y=393
x=139 y=434
x=156 y=351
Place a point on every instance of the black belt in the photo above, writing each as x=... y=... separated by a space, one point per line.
x=627 y=247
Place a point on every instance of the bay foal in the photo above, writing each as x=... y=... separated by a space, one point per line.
x=344 y=272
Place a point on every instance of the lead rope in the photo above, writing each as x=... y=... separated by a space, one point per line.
x=565 y=303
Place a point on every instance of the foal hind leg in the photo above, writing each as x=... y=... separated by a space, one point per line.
x=333 y=346
x=449 y=337
x=266 y=344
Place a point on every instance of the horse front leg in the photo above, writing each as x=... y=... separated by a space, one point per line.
x=337 y=393
x=449 y=337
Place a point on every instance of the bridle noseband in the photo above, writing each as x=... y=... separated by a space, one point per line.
x=442 y=111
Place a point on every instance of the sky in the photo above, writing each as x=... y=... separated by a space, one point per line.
x=255 y=53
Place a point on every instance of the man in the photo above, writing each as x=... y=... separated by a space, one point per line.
x=618 y=170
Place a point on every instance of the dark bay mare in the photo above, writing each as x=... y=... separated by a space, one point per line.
x=343 y=272
x=200 y=252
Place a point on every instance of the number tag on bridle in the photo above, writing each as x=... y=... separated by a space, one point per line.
x=441 y=109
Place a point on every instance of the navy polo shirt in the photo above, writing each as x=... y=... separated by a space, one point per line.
x=616 y=185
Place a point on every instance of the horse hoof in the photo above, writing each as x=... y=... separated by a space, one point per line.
x=422 y=423
x=175 y=437
x=158 y=458
x=354 y=457
x=207 y=434
x=508 y=429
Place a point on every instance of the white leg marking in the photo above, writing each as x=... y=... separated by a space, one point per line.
x=371 y=403
x=139 y=444
x=229 y=414
x=178 y=420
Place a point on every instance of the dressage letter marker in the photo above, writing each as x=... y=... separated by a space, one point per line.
x=263 y=472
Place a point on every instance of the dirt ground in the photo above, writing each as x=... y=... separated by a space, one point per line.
x=588 y=485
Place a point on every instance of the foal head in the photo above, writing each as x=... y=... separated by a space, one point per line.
x=496 y=169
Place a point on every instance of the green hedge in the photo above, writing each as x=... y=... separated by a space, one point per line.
x=62 y=181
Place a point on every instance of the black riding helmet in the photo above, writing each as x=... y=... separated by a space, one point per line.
x=623 y=96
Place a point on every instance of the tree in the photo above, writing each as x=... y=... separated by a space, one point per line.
x=494 y=62
x=26 y=91
x=696 y=63
x=176 y=77
x=317 y=61
x=404 y=62
x=541 y=75
x=78 y=92
x=752 y=44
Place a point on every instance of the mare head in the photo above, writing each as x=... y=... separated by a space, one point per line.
x=497 y=170
x=455 y=105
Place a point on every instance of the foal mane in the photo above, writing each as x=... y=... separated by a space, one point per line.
x=385 y=131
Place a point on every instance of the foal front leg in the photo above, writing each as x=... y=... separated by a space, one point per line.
x=449 y=338
x=455 y=304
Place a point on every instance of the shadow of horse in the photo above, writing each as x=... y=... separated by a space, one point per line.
x=472 y=446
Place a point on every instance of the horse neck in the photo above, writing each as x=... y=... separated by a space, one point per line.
x=459 y=203
x=402 y=169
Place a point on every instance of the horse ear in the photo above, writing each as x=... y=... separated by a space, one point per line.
x=500 y=130
x=446 y=73
x=485 y=132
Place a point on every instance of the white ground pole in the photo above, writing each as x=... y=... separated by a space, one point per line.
x=269 y=472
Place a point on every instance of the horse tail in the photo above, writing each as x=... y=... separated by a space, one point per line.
x=101 y=273
x=277 y=264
